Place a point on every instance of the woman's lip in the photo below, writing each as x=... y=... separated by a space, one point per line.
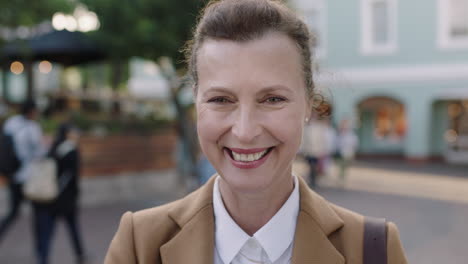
x=246 y=164
x=247 y=151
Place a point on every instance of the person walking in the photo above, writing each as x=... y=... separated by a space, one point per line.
x=204 y=169
x=28 y=145
x=347 y=143
x=65 y=152
x=316 y=147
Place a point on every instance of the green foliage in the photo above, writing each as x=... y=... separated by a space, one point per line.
x=145 y=28
x=49 y=125
x=14 y=13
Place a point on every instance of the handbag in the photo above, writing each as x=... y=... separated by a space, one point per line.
x=42 y=185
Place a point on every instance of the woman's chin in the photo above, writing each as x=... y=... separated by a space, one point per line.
x=245 y=184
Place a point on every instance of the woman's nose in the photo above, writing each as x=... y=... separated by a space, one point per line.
x=246 y=127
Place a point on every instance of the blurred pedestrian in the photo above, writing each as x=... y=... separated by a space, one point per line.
x=27 y=140
x=186 y=151
x=317 y=147
x=65 y=152
x=204 y=169
x=347 y=144
x=330 y=138
x=3 y=109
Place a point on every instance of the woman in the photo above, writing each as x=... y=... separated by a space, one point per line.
x=65 y=151
x=251 y=65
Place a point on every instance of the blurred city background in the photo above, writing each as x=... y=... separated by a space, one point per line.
x=394 y=72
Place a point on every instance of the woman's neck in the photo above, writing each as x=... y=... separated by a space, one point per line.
x=251 y=211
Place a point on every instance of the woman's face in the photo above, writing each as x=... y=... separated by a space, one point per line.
x=251 y=106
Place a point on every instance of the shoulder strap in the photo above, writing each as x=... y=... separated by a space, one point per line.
x=375 y=241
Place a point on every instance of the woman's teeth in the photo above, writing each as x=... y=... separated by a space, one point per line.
x=248 y=157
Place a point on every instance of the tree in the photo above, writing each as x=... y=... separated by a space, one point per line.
x=145 y=28
x=151 y=29
x=26 y=13
x=29 y=13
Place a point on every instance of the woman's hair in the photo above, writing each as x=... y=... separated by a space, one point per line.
x=244 y=20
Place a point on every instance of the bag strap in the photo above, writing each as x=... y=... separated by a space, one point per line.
x=375 y=241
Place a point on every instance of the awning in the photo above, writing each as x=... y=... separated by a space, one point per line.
x=64 y=47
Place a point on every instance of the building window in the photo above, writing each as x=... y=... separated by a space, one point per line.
x=453 y=24
x=457 y=134
x=378 y=26
x=314 y=14
x=386 y=119
x=390 y=123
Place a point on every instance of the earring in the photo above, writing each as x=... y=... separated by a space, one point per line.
x=306 y=120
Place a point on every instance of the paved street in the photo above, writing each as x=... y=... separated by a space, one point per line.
x=432 y=228
x=432 y=231
x=432 y=181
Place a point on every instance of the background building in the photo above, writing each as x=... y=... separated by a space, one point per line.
x=399 y=69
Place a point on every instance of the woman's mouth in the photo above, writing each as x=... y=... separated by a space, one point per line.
x=248 y=158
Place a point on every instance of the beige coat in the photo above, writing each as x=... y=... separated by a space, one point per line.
x=182 y=232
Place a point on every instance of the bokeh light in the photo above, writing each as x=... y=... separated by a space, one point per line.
x=17 y=67
x=71 y=24
x=82 y=20
x=58 y=21
x=88 y=22
x=45 y=67
x=451 y=136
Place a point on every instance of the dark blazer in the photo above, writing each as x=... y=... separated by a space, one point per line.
x=182 y=232
x=68 y=169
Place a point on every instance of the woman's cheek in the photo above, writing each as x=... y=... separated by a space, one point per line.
x=210 y=125
x=286 y=125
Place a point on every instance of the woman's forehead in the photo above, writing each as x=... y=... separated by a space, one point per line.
x=270 y=60
x=271 y=41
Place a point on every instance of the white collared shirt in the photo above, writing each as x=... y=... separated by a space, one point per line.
x=272 y=244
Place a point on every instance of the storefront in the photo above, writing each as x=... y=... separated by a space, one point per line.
x=456 y=135
x=382 y=126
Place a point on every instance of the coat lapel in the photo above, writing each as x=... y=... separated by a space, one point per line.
x=195 y=241
x=316 y=221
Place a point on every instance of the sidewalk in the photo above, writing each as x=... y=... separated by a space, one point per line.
x=103 y=201
x=100 y=215
x=431 y=181
x=98 y=224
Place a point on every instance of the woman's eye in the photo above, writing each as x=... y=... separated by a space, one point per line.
x=218 y=100
x=275 y=99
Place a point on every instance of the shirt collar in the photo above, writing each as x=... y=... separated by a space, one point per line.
x=275 y=236
x=229 y=237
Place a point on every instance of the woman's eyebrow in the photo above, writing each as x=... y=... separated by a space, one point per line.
x=275 y=88
x=217 y=89
x=264 y=90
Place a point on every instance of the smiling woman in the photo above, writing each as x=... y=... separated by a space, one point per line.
x=251 y=100
x=250 y=61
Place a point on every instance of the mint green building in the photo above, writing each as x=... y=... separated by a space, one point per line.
x=399 y=69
